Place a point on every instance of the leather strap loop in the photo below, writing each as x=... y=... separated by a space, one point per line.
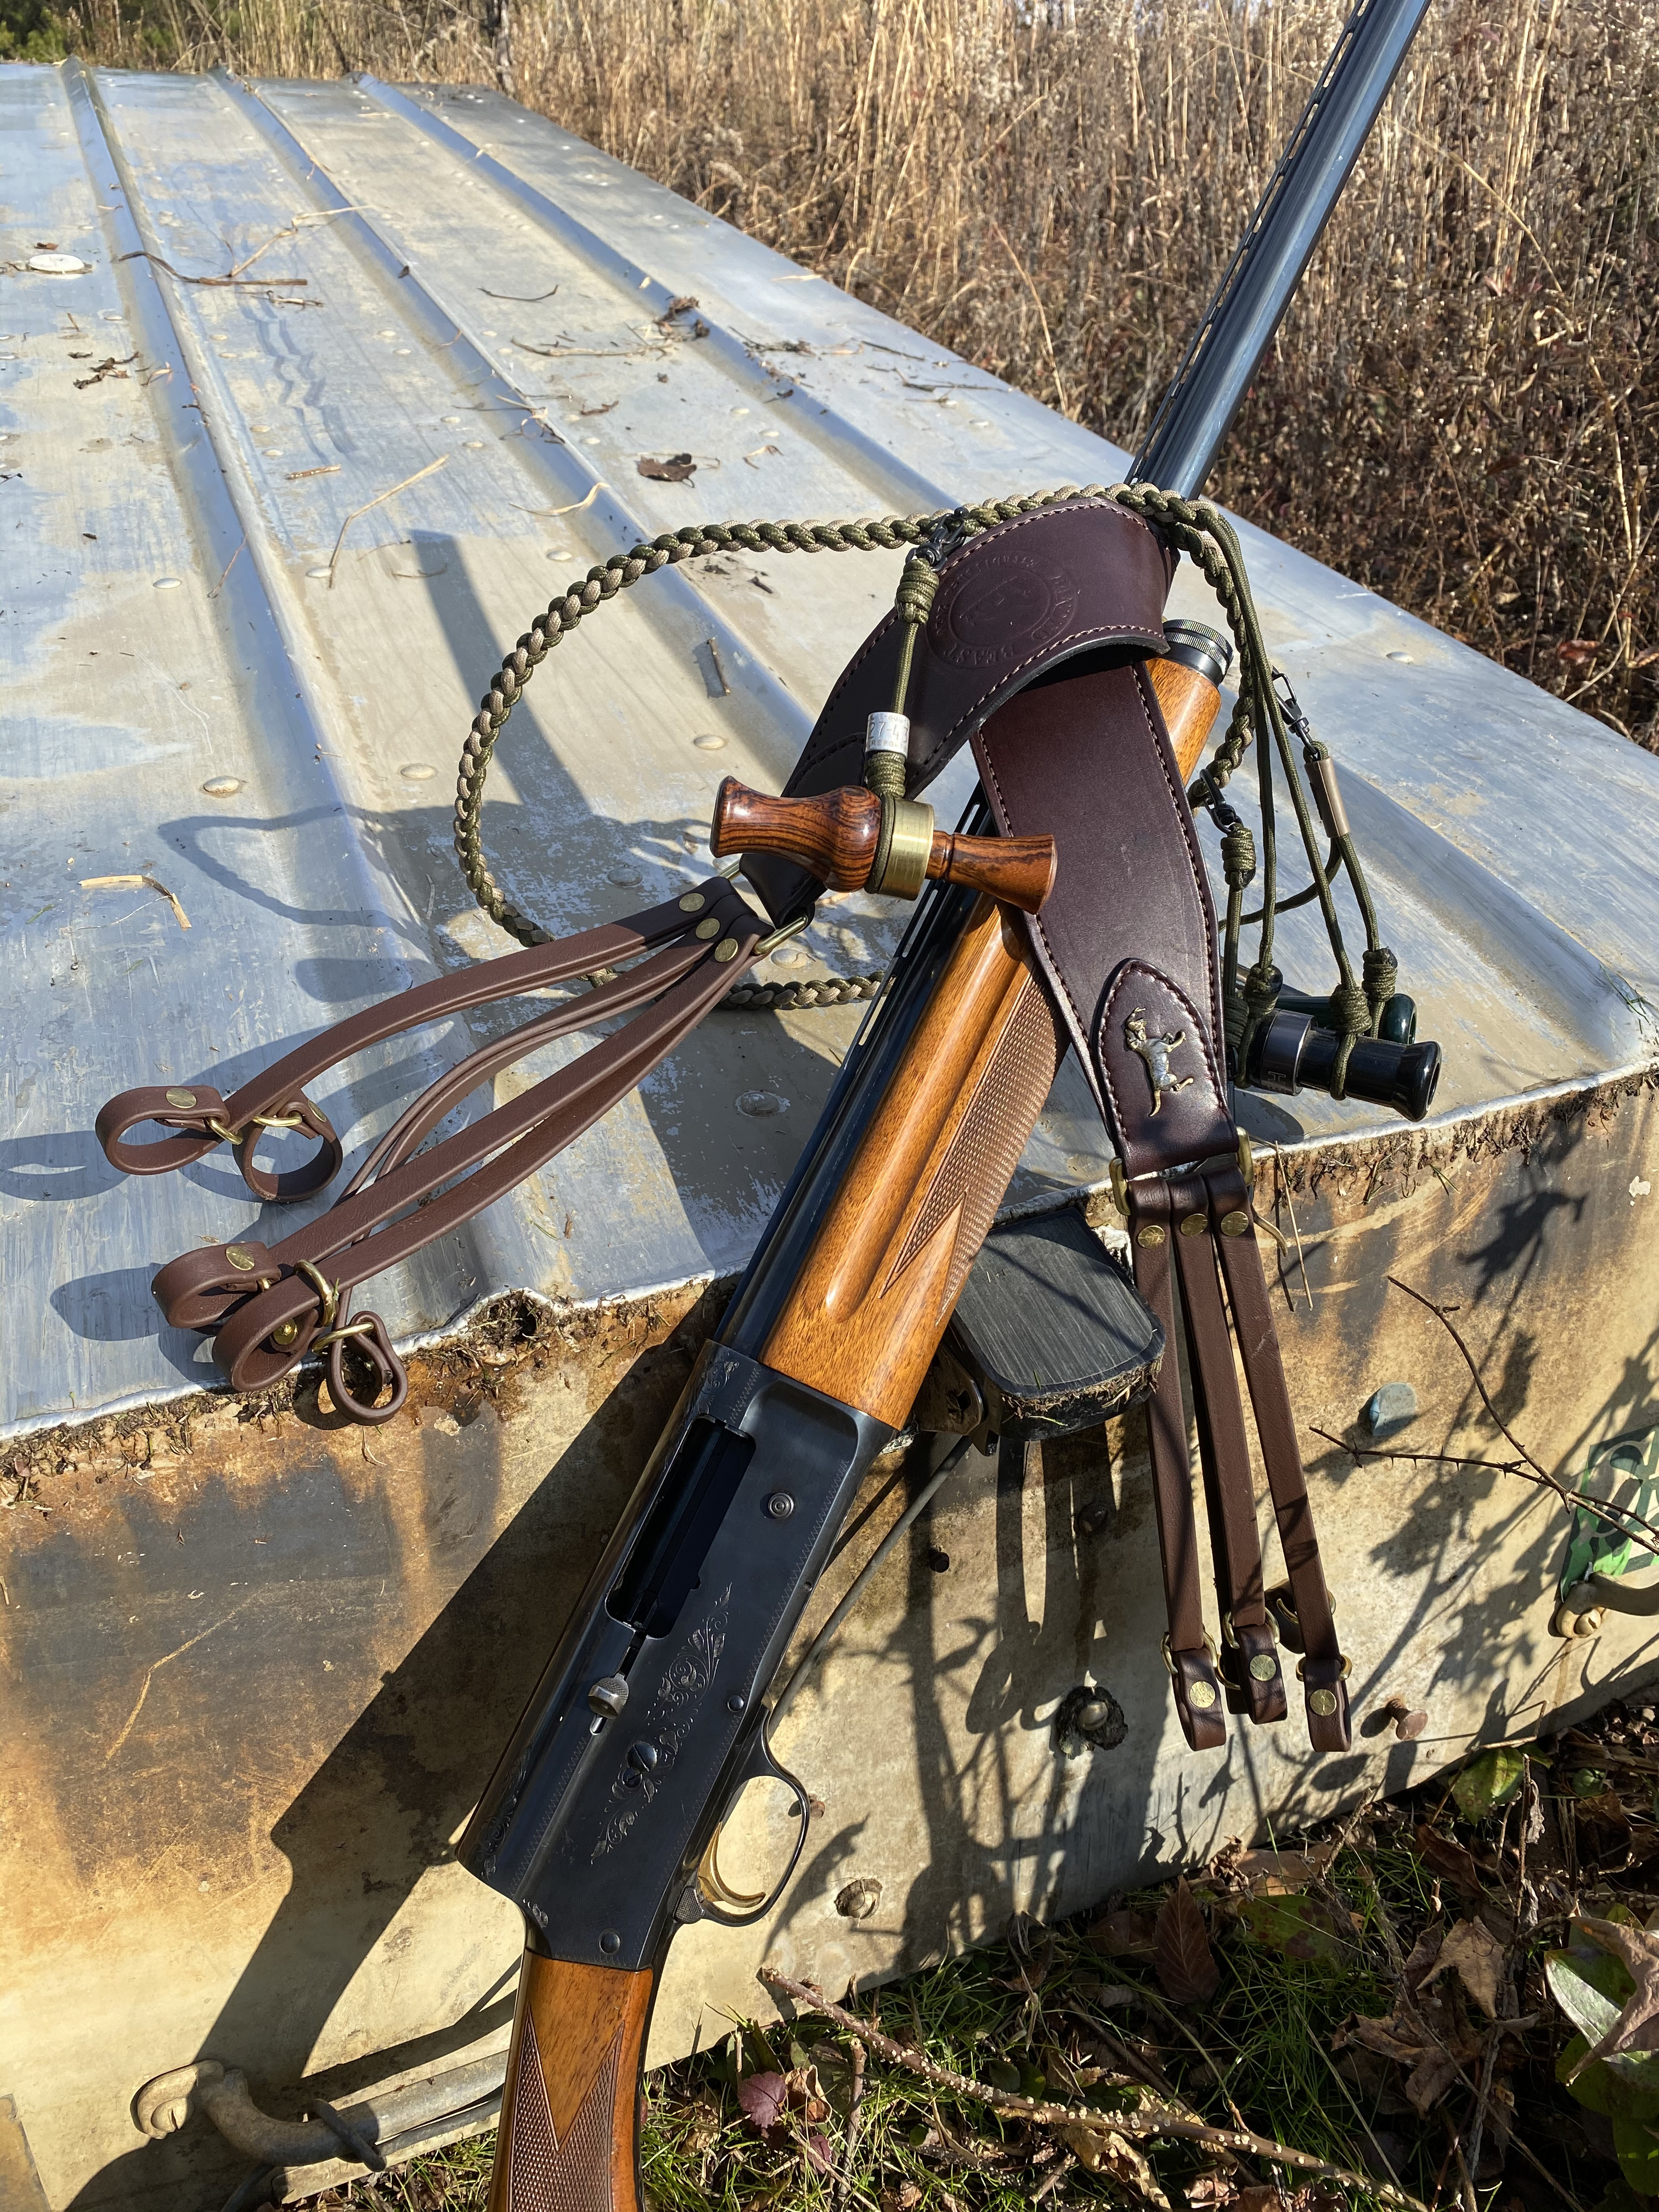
x=280 y=1091
x=367 y=1334
x=1323 y=1669
x=1224 y=1455
x=383 y=1222
x=1197 y=1693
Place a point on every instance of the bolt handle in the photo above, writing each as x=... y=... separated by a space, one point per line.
x=838 y=837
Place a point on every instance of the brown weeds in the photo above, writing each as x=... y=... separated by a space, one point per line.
x=1462 y=409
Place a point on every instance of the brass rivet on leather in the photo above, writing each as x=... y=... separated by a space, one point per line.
x=1322 y=1702
x=707 y=928
x=1150 y=1235
x=245 y=1261
x=1264 y=1666
x=1236 y=1225
x=693 y=902
x=284 y=1333
x=1194 y=1225
x=181 y=1097
x=1201 y=1694
x=726 y=949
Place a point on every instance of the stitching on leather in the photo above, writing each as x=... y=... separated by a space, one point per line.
x=1183 y=818
x=968 y=720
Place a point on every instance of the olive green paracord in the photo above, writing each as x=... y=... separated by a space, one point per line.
x=1195 y=527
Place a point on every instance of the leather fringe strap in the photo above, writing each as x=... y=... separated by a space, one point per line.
x=268 y=1307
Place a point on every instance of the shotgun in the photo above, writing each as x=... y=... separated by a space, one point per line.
x=652 y=1716
x=1033 y=629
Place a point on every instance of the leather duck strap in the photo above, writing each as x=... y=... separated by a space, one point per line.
x=268 y=1306
x=275 y=1098
x=1128 y=942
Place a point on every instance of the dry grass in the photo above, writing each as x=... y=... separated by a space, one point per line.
x=1461 y=410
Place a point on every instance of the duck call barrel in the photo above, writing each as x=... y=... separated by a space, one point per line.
x=852 y=840
x=1291 y=1053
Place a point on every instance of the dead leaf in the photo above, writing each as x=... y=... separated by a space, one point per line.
x=1424 y=1953
x=1449 y=1861
x=1281 y=1874
x=1432 y=2038
x=678 y=468
x=1475 y=1955
x=1210 y=2191
x=1262 y=2196
x=1102 y=2150
x=1427 y=2083
x=682 y=304
x=1637 y=2027
x=1125 y=1935
x=1182 y=1957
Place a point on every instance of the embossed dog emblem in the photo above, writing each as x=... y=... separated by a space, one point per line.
x=1155 y=1051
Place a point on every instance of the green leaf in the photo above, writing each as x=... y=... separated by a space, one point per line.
x=1591 y=2009
x=1489 y=1782
x=1607 y=2087
x=1638 y=2147
x=1299 y=1927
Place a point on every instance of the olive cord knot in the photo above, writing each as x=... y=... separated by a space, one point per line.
x=1259 y=995
x=884 y=768
x=1351 y=1014
x=1382 y=974
x=1237 y=854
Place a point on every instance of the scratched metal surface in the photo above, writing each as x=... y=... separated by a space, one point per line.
x=452 y=280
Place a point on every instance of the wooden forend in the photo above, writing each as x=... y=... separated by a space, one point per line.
x=878 y=1285
x=568 y=2140
x=1188 y=702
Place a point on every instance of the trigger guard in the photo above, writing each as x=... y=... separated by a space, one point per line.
x=767 y=1764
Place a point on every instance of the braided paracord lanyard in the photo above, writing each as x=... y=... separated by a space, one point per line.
x=1198 y=529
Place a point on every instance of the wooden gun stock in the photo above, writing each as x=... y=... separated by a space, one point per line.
x=837 y=834
x=569 y=2136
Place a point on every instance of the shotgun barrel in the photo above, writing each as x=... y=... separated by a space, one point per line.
x=1196 y=412
x=601 y=1819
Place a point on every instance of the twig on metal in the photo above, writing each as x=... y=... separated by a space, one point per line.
x=134 y=884
x=1629 y=1523
x=1148 y=2120
x=226 y=570
x=380 y=499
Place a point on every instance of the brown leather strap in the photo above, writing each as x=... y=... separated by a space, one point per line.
x=1187 y=1649
x=270 y=1306
x=1323 y=1669
x=276 y=1096
x=1249 y=1657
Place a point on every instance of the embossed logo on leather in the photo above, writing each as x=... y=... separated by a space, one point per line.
x=1003 y=607
x=1155 y=1051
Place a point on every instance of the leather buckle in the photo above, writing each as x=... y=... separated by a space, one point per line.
x=281 y=1190
x=1197 y=1695
x=1327 y=1703
x=1255 y=1678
